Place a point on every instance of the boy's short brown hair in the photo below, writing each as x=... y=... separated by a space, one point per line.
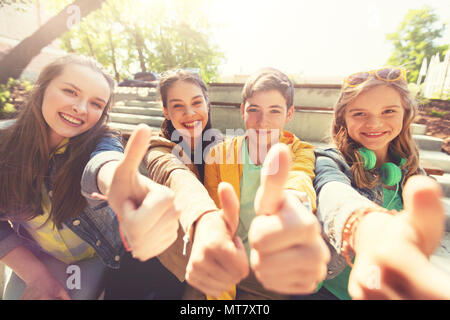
x=269 y=79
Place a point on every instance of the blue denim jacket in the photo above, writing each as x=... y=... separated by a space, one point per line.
x=97 y=224
x=333 y=210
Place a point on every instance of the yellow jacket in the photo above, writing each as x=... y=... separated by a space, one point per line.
x=224 y=164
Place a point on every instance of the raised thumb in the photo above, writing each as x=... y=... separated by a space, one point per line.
x=136 y=148
x=230 y=206
x=274 y=174
x=424 y=211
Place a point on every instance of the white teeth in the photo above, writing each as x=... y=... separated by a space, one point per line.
x=70 y=119
x=192 y=124
x=374 y=134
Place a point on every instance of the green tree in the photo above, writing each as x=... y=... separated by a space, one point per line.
x=415 y=39
x=4 y=3
x=128 y=36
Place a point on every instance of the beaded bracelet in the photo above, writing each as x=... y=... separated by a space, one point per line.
x=352 y=224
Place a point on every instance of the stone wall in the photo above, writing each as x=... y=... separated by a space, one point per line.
x=321 y=96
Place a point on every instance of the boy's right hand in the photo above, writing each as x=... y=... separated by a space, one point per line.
x=218 y=259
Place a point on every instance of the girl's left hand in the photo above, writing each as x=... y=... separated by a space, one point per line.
x=392 y=252
x=146 y=210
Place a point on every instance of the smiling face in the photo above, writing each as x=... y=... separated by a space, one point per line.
x=265 y=114
x=73 y=102
x=375 y=118
x=187 y=109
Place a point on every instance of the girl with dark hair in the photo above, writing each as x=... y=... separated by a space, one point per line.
x=175 y=159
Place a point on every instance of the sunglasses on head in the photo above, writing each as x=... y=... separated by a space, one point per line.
x=384 y=74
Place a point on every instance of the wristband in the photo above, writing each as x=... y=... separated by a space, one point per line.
x=350 y=229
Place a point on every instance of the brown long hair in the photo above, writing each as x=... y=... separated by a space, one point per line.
x=24 y=154
x=402 y=146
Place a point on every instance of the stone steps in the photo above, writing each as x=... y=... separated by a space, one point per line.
x=436 y=158
x=128 y=128
x=446 y=202
x=418 y=128
x=444 y=181
x=146 y=111
x=153 y=121
x=139 y=103
x=430 y=143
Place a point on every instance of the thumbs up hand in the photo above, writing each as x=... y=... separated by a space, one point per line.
x=146 y=211
x=392 y=251
x=288 y=254
x=218 y=259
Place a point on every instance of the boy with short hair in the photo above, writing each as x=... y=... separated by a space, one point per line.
x=267 y=106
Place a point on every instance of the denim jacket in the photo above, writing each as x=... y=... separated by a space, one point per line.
x=335 y=206
x=97 y=224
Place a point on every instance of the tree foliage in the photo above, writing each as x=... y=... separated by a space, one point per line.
x=128 y=36
x=415 y=39
x=4 y=3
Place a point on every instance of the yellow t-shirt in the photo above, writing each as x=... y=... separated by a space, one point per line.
x=62 y=243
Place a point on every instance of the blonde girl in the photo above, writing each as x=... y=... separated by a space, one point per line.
x=373 y=220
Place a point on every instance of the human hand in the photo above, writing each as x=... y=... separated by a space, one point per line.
x=146 y=210
x=288 y=254
x=218 y=259
x=392 y=252
x=44 y=287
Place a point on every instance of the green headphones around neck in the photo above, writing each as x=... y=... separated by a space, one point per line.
x=391 y=174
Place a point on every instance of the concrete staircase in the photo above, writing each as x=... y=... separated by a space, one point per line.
x=128 y=113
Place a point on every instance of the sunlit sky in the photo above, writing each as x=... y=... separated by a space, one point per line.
x=313 y=38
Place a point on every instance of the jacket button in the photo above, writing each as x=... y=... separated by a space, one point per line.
x=117 y=258
x=98 y=243
x=76 y=222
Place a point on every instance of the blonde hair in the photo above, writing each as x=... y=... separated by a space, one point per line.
x=402 y=146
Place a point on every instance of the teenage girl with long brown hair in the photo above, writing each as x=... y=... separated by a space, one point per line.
x=55 y=236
